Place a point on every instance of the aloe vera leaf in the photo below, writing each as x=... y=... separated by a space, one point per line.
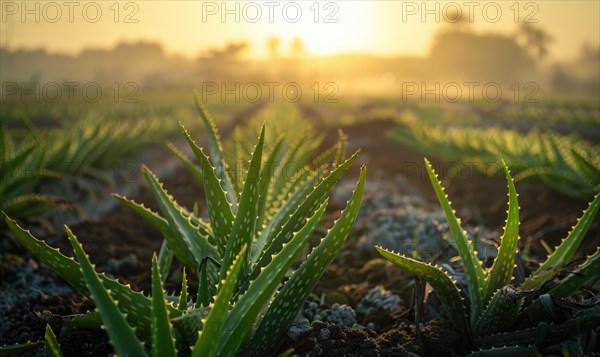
x=204 y=291
x=304 y=156
x=52 y=348
x=17 y=160
x=246 y=310
x=183 y=297
x=335 y=154
x=137 y=307
x=192 y=168
x=53 y=154
x=188 y=239
x=165 y=258
x=341 y=147
x=186 y=328
x=319 y=167
x=16 y=349
x=165 y=255
x=565 y=287
x=244 y=224
x=500 y=314
x=7 y=145
x=24 y=182
x=203 y=227
x=152 y=217
x=95 y=147
x=502 y=270
x=236 y=159
x=212 y=326
x=219 y=208
x=552 y=333
x=82 y=150
x=216 y=152
x=309 y=205
x=29 y=205
x=473 y=270
x=294 y=293
x=282 y=174
x=163 y=343
x=303 y=170
x=265 y=180
x=90 y=320
x=443 y=285
x=588 y=269
x=508 y=351
x=121 y=336
x=587 y=167
x=281 y=214
x=564 y=252
x=564 y=183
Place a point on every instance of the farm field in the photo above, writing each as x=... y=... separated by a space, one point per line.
x=369 y=301
x=323 y=198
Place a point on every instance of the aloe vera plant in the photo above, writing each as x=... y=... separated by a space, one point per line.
x=242 y=303
x=21 y=169
x=495 y=307
x=567 y=164
x=93 y=142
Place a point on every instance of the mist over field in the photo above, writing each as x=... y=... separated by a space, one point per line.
x=456 y=55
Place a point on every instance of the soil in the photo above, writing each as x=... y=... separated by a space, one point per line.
x=123 y=243
x=325 y=339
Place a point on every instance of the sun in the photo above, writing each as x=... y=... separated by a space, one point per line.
x=327 y=27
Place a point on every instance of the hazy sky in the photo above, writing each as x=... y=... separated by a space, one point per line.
x=378 y=27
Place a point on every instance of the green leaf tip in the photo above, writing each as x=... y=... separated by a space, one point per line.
x=52 y=348
x=473 y=270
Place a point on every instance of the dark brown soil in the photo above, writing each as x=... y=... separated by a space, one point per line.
x=28 y=323
x=436 y=338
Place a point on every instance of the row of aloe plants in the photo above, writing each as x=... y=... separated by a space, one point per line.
x=553 y=112
x=21 y=169
x=567 y=164
x=240 y=255
x=90 y=144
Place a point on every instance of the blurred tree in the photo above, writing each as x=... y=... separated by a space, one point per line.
x=298 y=50
x=478 y=57
x=534 y=39
x=273 y=44
x=231 y=52
x=456 y=21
